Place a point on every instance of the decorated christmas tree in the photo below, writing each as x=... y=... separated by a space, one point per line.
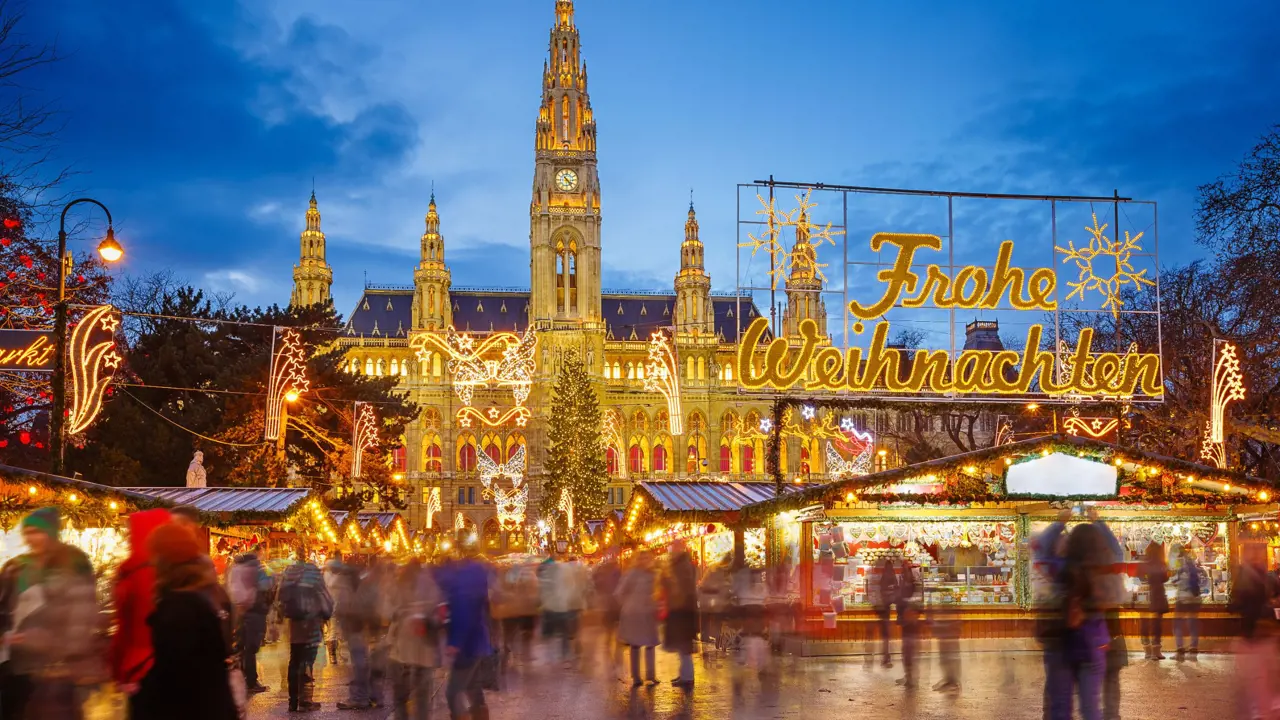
x=576 y=459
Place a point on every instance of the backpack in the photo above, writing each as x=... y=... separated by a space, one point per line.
x=299 y=602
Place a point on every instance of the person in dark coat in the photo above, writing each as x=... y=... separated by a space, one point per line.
x=464 y=584
x=680 y=586
x=250 y=588
x=1157 y=574
x=189 y=677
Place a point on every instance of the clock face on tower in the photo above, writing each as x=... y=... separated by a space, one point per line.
x=567 y=180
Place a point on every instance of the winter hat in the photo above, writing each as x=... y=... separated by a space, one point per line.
x=172 y=544
x=46 y=520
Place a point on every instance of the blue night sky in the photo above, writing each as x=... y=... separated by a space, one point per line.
x=202 y=124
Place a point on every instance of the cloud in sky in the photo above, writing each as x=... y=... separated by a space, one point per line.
x=203 y=125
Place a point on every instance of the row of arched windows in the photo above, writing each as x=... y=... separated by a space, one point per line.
x=392 y=367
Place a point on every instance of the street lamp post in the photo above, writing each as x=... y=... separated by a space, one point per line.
x=110 y=251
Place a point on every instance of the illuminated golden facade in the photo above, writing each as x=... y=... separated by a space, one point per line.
x=718 y=431
x=312 y=276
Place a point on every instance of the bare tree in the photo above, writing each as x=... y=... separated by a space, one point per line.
x=1240 y=214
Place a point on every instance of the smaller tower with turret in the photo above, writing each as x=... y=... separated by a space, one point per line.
x=312 y=276
x=693 y=317
x=431 y=279
x=804 y=285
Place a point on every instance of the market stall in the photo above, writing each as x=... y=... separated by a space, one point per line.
x=968 y=525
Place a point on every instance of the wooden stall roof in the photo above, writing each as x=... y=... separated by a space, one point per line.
x=384 y=520
x=15 y=474
x=834 y=491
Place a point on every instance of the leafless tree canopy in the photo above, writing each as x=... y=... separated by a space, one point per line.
x=28 y=125
x=1240 y=214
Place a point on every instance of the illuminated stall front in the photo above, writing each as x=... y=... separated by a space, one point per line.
x=969 y=525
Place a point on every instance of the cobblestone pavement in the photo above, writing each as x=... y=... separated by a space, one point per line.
x=994 y=685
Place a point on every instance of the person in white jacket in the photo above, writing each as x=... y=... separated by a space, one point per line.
x=564 y=598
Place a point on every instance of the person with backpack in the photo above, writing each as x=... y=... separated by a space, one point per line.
x=306 y=603
x=133 y=594
x=249 y=587
x=191 y=635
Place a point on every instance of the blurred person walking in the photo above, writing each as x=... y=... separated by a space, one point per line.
x=604 y=582
x=336 y=573
x=563 y=600
x=50 y=625
x=1074 y=632
x=353 y=609
x=305 y=602
x=1253 y=598
x=749 y=612
x=713 y=601
x=464 y=584
x=191 y=635
x=883 y=594
x=250 y=589
x=638 y=611
x=680 y=628
x=1156 y=573
x=134 y=595
x=1112 y=581
x=515 y=607
x=413 y=637
x=1186 y=608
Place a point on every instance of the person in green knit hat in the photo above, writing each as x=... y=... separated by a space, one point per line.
x=49 y=623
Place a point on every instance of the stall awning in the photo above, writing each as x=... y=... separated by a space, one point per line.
x=384 y=520
x=700 y=496
x=269 y=501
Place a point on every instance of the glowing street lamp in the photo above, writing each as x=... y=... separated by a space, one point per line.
x=110 y=251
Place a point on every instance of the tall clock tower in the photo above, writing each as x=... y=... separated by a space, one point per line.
x=564 y=216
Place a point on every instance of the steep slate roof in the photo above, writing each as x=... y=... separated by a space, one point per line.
x=386 y=312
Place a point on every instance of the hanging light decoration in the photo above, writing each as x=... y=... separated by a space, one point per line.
x=1228 y=385
x=288 y=376
x=566 y=507
x=433 y=506
x=364 y=435
x=660 y=376
x=93 y=358
x=510 y=503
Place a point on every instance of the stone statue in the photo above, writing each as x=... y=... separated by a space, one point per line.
x=195 y=471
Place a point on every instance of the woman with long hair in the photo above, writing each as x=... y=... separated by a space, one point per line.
x=1157 y=574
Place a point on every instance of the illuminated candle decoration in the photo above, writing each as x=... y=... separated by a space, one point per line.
x=92 y=359
x=288 y=376
x=1228 y=386
x=660 y=376
x=434 y=505
x=364 y=436
x=510 y=503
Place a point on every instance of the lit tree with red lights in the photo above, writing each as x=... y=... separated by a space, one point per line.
x=28 y=295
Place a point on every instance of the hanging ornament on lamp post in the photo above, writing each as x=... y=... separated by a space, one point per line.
x=364 y=435
x=288 y=379
x=1228 y=386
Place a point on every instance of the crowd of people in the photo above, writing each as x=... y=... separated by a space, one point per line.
x=179 y=641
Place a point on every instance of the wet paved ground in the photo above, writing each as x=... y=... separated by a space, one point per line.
x=994 y=685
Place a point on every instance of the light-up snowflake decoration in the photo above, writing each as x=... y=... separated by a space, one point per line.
x=1093 y=278
x=808 y=236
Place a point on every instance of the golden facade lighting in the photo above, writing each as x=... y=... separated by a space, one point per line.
x=288 y=377
x=92 y=358
x=661 y=376
x=364 y=435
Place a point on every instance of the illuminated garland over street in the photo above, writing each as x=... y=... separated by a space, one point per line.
x=288 y=377
x=92 y=355
x=364 y=436
x=660 y=376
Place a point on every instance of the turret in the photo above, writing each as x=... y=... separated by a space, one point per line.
x=312 y=276
x=693 y=286
x=432 y=309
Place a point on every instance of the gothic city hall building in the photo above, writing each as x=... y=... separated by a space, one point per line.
x=567 y=309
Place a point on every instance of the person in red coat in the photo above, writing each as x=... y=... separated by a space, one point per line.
x=134 y=596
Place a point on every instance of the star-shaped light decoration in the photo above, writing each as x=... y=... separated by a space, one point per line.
x=807 y=412
x=111 y=360
x=110 y=322
x=847 y=425
x=493 y=413
x=464 y=421
x=766 y=424
x=522 y=420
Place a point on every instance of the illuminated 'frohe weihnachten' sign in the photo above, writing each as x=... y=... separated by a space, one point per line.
x=815 y=365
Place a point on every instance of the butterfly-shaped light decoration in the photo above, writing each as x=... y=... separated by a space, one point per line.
x=510 y=503
x=838 y=467
x=517 y=366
